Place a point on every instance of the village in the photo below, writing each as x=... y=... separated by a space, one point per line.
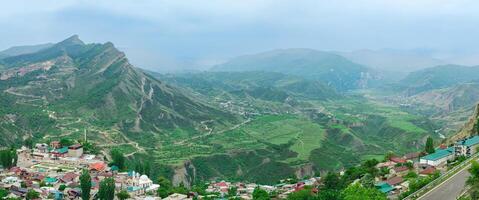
x=52 y=171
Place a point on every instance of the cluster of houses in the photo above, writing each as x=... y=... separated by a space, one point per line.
x=53 y=171
x=395 y=181
x=245 y=190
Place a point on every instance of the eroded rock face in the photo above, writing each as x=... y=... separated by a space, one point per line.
x=468 y=129
x=304 y=171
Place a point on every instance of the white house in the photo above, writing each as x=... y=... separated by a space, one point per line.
x=440 y=157
x=467 y=147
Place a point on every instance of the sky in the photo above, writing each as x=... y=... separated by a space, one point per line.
x=165 y=35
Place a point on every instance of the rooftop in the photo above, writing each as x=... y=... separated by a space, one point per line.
x=470 y=141
x=384 y=187
x=440 y=153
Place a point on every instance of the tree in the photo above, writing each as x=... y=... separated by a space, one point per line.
x=122 y=195
x=3 y=193
x=332 y=181
x=8 y=158
x=367 y=181
x=62 y=187
x=329 y=194
x=32 y=194
x=260 y=194
x=232 y=191
x=358 y=192
x=85 y=184
x=429 y=145
x=473 y=180
x=28 y=143
x=118 y=158
x=304 y=194
x=165 y=187
x=107 y=189
x=65 y=142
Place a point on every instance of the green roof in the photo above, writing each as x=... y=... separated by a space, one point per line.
x=470 y=142
x=51 y=180
x=440 y=153
x=62 y=150
x=384 y=187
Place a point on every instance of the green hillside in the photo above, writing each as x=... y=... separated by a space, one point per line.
x=329 y=68
x=438 y=77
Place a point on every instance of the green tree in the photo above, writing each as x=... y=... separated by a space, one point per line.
x=107 y=189
x=8 y=158
x=304 y=194
x=260 y=194
x=28 y=143
x=66 y=142
x=165 y=187
x=358 y=192
x=122 y=195
x=3 y=193
x=367 y=181
x=429 y=148
x=232 y=191
x=32 y=194
x=62 y=187
x=329 y=194
x=332 y=181
x=118 y=159
x=85 y=184
x=473 y=180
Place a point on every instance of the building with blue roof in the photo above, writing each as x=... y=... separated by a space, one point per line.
x=440 y=157
x=467 y=147
x=384 y=187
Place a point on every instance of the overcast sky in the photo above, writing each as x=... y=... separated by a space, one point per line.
x=163 y=35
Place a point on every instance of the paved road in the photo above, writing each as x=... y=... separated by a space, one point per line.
x=450 y=189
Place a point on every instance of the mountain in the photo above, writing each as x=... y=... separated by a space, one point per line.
x=438 y=77
x=96 y=85
x=270 y=86
x=329 y=68
x=19 y=50
x=393 y=60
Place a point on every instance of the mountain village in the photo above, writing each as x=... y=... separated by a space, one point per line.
x=52 y=171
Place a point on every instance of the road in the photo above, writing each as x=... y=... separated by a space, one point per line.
x=449 y=189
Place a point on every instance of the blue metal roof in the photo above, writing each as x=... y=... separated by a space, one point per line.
x=440 y=153
x=469 y=142
x=384 y=187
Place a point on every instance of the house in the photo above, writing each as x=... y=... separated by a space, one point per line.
x=98 y=166
x=61 y=152
x=55 y=144
x=466 y=147
x=69 y=177
x=412 y=156
x=41 y=148
x=75 y=150
x=387 y=164
x=428 y=171
x=397 y=159
x=400 y=171
x=394 y=181
x=438 y=158
x=384 y=187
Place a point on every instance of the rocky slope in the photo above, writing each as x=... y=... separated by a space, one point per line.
x=96 y=84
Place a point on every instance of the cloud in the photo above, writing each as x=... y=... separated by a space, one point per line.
x=171 y=34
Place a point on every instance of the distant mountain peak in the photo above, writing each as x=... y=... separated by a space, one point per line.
x=72 y=40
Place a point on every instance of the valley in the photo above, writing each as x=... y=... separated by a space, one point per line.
x=225 y=123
